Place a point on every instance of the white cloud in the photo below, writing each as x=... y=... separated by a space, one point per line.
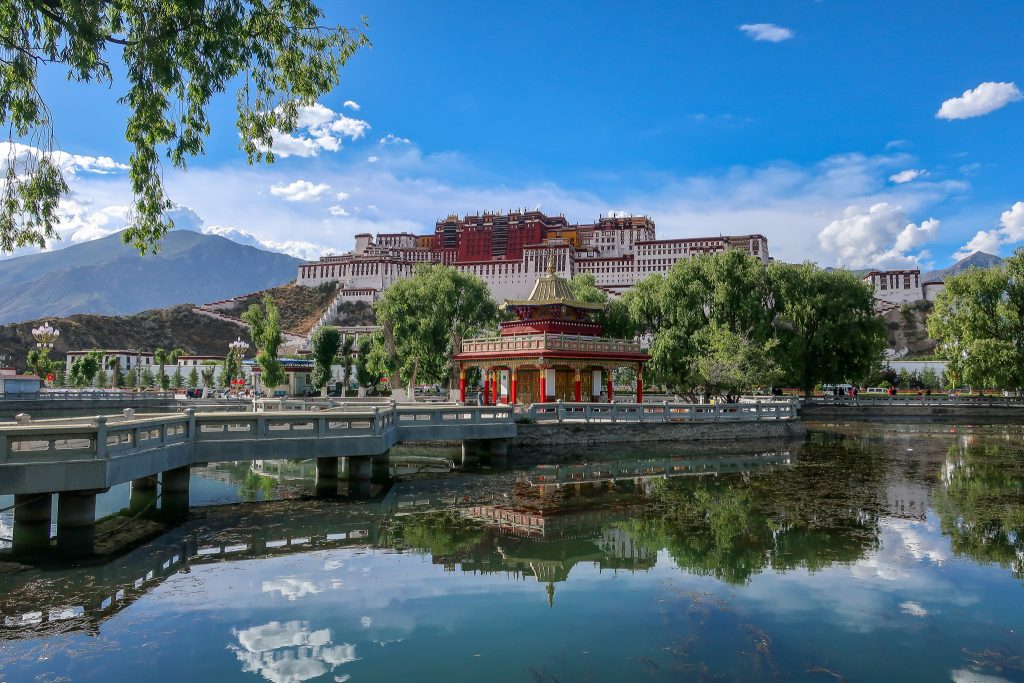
x=880 y=237
x=1010 y=231
x=318 y=128
x=352 y=104
x=986 y=98
x=341 y=196
x=337 y=211
x=307 y=251
x=767 y=32
x=300 y=191
x=390 y=139
x=907 y=175
x=913 y=609
x=372 y=160
x=19 y=154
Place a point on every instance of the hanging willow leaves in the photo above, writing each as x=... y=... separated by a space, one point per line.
x=176 y=54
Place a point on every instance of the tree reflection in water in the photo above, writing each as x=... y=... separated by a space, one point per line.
x=981 y=503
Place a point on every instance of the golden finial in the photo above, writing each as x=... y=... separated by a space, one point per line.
x=551 y=262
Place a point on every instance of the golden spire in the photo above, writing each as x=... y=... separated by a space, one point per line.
x=551 y=262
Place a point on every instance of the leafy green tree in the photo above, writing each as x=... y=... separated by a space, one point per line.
x=40 y=362
x=101 y=379
x=177 y=55
x=425 y=318
x=903 y=378
x=265 y=331
x=731 y=364
x=615 y=317
x=176 y=379
x=730 y=292
x=365 y=376
x=826 y=324
x=193 y=379
x=131 y=378
x=325 y=342
x=978 y=323
x=146 y=379
x=347 y=355
x=161 y=357
x=84 y=369
x=113 y=363
x=208 y=374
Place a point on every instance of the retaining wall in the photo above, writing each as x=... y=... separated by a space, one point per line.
x=916 y=413
x=583 y=434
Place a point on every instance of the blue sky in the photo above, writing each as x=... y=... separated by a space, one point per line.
x=668 y=109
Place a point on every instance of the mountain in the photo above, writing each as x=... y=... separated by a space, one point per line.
x=978 y=259
x=107 y=277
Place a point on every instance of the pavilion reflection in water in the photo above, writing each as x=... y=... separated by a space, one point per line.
x=527 y=527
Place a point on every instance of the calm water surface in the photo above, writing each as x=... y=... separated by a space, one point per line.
x=869 y=552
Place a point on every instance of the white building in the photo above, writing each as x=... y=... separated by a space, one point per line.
x=509 y=251
x=126 y=358
x=893 y=288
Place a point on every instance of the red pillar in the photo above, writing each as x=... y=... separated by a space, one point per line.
x=640 y=385
x=512 y=387
x=611 y=386
x=487 y=386
x=577 y=389
x=462 y=385
x=543 y=385
x=496 y=386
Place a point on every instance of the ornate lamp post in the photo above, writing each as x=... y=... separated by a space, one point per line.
x=45 y=335
x=237 y=351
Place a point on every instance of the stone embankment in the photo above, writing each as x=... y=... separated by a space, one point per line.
x=584 y=434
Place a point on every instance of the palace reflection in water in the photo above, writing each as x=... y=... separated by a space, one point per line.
x=810 y=550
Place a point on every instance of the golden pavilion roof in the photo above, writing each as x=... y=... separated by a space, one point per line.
x=551 y=289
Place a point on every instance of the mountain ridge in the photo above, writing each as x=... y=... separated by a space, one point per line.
x=107 y=277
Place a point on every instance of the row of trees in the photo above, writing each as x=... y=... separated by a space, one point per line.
x=717 y=325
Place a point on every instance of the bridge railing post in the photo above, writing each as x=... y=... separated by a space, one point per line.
x=561 y=410
x=101 y=437
x=190 y=430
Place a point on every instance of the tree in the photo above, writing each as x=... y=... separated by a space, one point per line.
x=208 y=375
x=978 y=323
x=193 y=379
x=84 y=369
x=265 y=331
x=325 y=343
x=347 y=354
x=177 y=55
x=424 y=319
x=113 y=364
x=40 y=362
x=826 y=324
x=101 y=378
x=176 y=380
x=161 y=357
x=730 y=292
x=131 y=379
x=614 y=319
x=146 y=379
x=364 y=375
x=731 y=363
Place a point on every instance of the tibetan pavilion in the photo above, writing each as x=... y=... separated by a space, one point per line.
x=553 y=350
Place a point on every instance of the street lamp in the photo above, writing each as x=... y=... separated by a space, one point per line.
x=237 y=349
x=45 y=335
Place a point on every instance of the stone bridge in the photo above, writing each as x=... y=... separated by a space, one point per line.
x=77 y=458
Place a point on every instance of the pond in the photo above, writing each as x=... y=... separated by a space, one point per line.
x=867 y=552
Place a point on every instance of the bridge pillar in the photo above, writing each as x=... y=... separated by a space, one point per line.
x=174 y=490
x=360 y=477
x=327 y=476
x=380 y=472
x=497 y=453
x=76 y=522
x=143 y=494
x=471 y=452
x=31 y=522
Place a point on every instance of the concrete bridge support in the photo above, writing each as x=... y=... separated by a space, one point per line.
x=327 y=476
x=495 y=451
x=31 y=522
x=380 y=470
x=174 y=486
x=76 y=522
x=360 y=477
x=143 y=494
